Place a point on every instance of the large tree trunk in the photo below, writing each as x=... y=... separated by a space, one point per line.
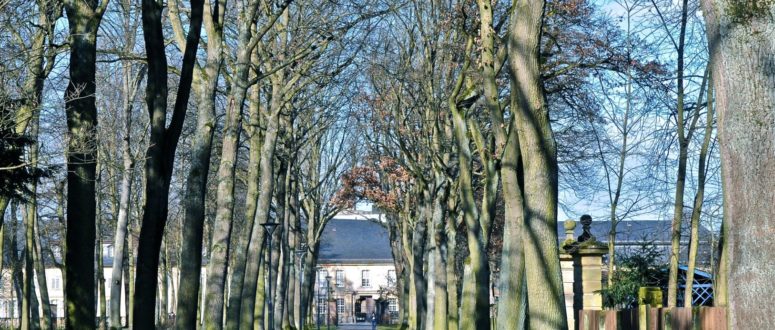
x=160 y=155
x=84 y=21
x=742 y=55
x=546 y=303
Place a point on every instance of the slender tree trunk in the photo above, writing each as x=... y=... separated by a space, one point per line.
x=694 y=239
x=255 y=244
x=28 y=291
x=439 y=242
x=130 y=89
x=122 y=221
x=160 y=155
x=512 y=307
x=452 y=275
x=251 y=198
x=683 y=146
x=742 y=48
x=196 y=188
x=46 y=321
x=418 y=255
x=260 y=296
x=475 y=308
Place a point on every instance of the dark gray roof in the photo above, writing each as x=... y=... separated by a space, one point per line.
x=354 y=241
x=631 y=234
x=636 y=231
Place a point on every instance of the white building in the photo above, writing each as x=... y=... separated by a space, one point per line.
x=355 y=256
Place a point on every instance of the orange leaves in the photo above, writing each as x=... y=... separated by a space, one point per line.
x=384 y=184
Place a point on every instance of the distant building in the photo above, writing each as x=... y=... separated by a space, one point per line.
x=632 y=234
x=355 y=255
x=9 y=294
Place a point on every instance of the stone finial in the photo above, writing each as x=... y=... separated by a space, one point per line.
x=570 y=226
x=586 y=223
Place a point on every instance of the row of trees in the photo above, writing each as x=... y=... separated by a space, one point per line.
x=467 y=122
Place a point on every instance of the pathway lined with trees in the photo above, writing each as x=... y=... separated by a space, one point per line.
x=176 y=130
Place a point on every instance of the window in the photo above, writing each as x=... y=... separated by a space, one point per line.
x=55 y=308
x=109 y=250
x=391 y=277
x=340 y=306
x=393 y=304
x=365 y=279
x=322 y=305
x=322 y=274
x=56 y=283
x=340 y=278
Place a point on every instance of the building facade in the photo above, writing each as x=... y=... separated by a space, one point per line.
x=356 y=277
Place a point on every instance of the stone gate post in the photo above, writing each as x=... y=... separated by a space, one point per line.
x=581 y=261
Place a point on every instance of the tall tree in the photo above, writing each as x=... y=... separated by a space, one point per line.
x=160 y=155
x=740 y=37
x=247 y=40
x=546 y=306
x=193 y=228
x=84 y=19
x=131 y=80
x=683 y=146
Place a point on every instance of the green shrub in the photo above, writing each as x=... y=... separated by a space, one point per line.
x=636 y=269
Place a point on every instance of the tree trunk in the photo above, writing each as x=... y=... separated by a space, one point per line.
x=452 y=274
x=84 y=21
x=46 y=322
x=122 y=221
x=475 y=310
x=698 y=200
x=196 y=183
x=28 y=291
x=219 y=251
x=160 y=155
x=511 y=303
x=418 y=255
x=740 y=40
x=438 y=241
x=130 y=88
x=546 y=303
x=255 y=244
x=255 y=139
x=683 y=146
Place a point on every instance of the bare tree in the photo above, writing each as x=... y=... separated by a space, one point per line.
x=160 y=155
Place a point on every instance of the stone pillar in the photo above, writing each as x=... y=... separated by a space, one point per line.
x=566 y=265
x=586 y=256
